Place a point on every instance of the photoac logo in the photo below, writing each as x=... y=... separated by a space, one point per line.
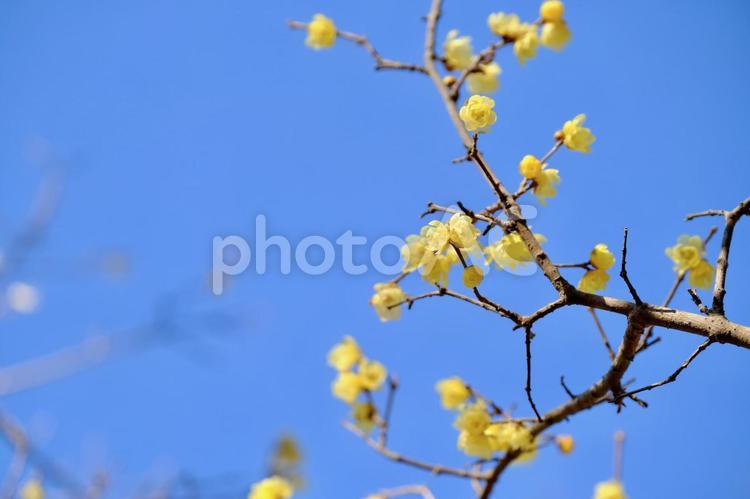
x=232 y=255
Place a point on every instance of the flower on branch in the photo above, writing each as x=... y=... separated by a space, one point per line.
x=274 y=487
x=387 y=296
x=458 y=51
x=478 y=113
x=453 y=392
x=321 y=32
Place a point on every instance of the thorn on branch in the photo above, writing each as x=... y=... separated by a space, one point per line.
x=624 y=272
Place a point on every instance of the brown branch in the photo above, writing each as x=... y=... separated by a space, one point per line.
x=436 y=469
x=405 y=490
x=673 y=377
x=380 y=62
x=722 y=262
x=624 y=272
x=486 y=56
x=602 y=333
x=529 y=337
x=698 y=303
x=386 y=424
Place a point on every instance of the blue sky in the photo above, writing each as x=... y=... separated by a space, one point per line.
x=181 y=120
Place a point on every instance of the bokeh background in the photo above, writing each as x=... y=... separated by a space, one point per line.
x=175 y=121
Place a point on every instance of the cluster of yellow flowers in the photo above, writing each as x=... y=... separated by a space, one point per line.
x=321 y=32
x=554 y=34
x=369 y=377
x=611 y=489
x=545 y=179
x=510 y=251
x=435 y=250
x=688 y=255
x=479 y=435
x=597 y=278
x=274 y=487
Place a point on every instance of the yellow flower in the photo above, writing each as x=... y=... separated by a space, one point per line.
x=364 y=416
x=477 y=113
x=525 y=47
x=475 y=445
x=530 y=167
x=593 y=281
x=601 y=257
x=32 y=490
x=436 y=236
x=271 y=488
x=347 y=386
x=453 y=392
x=436 y=269
x=544 y=184
x=413 y=252
x=510 y=251
x=702 y=275
x=565 y=443
x=473 y=276
x=321 y=32
x=345 y=355
x=612 y=489
x=552 y=11
x=575 y=136
x=371 y=374
x=555 y=35
x=386 y=296
x=687 y=253
x=462 y=231
x=485 y=80
x=458 y=51
x=506 y=25
x=473 y=419
x=508 y=436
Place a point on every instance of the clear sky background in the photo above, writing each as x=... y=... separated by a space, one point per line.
x=181 y=120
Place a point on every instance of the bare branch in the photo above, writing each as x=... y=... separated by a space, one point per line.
x=529 y=337
x=624 y=272
x=698 y=303
x=380 y=62
x=722 y=262
x=602 y=333
x=673 y=377
x=436 y=469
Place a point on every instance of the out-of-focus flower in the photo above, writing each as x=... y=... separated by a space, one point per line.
x=321 y=32
x=386 y=296
x=510 y=251
x=611 y=489
x=555 y=35
x=347 y=386
x=472 y=276
x=601 y=257
x=545 y=184
x=274 y=487
x=687 y=253
x=453 y=392
x=565 y=443
x=32 y=489
x=345 y=355
x=372 y=374
x=363 y=415
x=552 y=11
x=593 y=281
x=485 y=80
x=525 y=46
x=702 y=275
x=458 y=51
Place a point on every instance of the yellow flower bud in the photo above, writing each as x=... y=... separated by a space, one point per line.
x=371 y=374
x=552 y=11
x=593 y=281
x=555 y=35
x=345 y=355
x=478 y=114
x=458 y=51
x=449 y=80
x=530 y=167
x=601 y=257
x=321 y=32
x=384 y=301
x=453 y=392
x=525 y=46
x=565 y=443
x=347 y=386
x=274 y=487
x=612 y=489
x=473 y=276
x=485 y=80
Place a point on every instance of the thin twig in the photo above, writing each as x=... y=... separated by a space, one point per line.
x=602 y=333
x=619 y=455
x=722 y=262
x=405 y=490
x=364 y=42
x=436 y=469
x=529 y=337
x=624 y=272
x=698 y=303
x=392 y=387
